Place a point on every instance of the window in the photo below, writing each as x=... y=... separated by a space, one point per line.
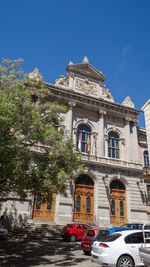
x=78 y=203
x=88 y=205
x=38 y=202
x=49 y=202
x=113 y=207
x=146 y=159
x=83 y=139
x=134 y=238
x=113 y=145
x=121 y=208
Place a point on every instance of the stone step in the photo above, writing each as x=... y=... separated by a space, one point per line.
x=36 y=231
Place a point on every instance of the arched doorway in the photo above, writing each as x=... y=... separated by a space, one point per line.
x=84 y=199
x=44 y=210
x=118 y=214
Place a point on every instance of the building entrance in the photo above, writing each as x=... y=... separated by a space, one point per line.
x=84 y=200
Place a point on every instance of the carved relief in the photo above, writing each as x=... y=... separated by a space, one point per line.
x=62 y=81
x=107 y=95
x=128 y=102
x=86 y=86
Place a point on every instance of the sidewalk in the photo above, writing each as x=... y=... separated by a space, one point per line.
x=46 y=252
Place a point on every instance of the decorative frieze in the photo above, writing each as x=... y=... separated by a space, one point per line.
x=85 y=86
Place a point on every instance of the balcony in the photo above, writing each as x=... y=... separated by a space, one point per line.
x=112 y=162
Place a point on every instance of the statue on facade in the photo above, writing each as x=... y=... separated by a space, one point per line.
x=128 y=102
x=63 y=81
x=35 y=75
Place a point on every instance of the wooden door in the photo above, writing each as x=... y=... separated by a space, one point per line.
x=84 y=203
x=44 y=210
x=118 y=207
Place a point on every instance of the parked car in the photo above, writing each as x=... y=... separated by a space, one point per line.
x=74 y=231
x=90 y=237
x=102 y=233
x=120 y=249
x=87 y=240
x=137 y=226
x=3 y=232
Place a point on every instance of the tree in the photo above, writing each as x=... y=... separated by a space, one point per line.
x=35 y=156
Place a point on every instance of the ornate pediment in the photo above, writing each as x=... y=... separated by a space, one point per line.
x=85 y=70
x=85 y=79
x=128 y=102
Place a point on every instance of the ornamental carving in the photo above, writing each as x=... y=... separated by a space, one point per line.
x=35 y=75
x=128 y=102
x=86 y=86
x=107 y=95
x=62 y=81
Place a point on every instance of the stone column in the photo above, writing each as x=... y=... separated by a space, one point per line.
x=70 y=117
x=101 y=143
x=135 y=152
x=128 y=148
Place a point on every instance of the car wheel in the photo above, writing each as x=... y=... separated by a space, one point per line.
x=125 y=261
x=72 y=238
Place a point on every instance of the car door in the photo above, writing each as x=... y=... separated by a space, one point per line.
x=133 y=242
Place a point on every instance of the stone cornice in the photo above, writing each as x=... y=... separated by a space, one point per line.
x=113 y=109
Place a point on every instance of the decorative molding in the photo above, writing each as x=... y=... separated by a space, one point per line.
x=71 y=104
x=75 y=130
x=102 y=112
x=106 y=137
x=85 y=120
x=122 y=140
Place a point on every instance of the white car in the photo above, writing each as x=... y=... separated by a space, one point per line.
x=120 y=249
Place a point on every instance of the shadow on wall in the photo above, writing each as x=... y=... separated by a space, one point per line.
x=12 y=220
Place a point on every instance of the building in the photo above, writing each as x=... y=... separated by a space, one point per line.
x=111 y=191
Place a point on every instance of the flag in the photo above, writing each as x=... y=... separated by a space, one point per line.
x=79 y=143
x=88 y=144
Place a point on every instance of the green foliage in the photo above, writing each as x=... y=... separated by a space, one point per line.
x=35 y=157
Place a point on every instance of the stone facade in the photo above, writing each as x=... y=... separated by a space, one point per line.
x=89 y=103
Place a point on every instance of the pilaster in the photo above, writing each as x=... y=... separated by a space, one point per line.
x=70 y=116
x=101 y=144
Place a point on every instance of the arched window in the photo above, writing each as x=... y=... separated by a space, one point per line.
x=146 y=159
x=83 y=139
x=113 y=145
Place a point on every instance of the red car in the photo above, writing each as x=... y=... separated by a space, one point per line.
x=87 y=240
x=74 y=231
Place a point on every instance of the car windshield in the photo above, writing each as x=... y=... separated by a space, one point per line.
x=110 y=238
x=101 y=234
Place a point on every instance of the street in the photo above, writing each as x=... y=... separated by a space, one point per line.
x=15 y=252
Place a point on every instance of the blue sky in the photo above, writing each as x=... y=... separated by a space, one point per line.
x=113 y=34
